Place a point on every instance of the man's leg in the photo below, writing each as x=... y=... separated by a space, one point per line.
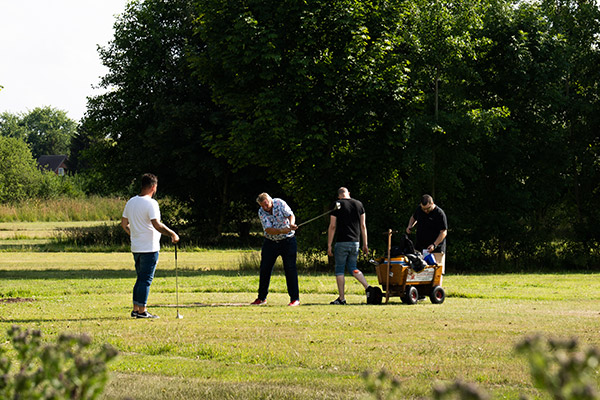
x=352 y=262
x=341 y=284
x=360 y=277
x=145 y=265
x=340 y=253
x=268 y=255
x=289 y=251
x=136 y=259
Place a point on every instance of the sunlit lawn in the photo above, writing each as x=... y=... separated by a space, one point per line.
x=223 y=348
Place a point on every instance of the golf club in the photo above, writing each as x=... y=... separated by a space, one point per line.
x=338 y=205
x=179 y=316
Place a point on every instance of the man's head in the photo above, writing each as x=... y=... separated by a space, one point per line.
x=149 y=183
x=427 y=203
x=265 y=202
x=343 y=193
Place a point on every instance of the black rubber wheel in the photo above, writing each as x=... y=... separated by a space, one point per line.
x=411 y=296
x=438 y=295
x=374 y=295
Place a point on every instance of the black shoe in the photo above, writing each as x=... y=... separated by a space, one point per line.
x=134 y=314
x=146 y=314
x=339 y=302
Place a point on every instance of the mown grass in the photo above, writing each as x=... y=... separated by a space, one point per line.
x=223 y=348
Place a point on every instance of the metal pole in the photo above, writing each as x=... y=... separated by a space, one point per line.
x=179 y=316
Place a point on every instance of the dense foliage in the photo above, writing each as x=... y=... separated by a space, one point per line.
x=20 y=178
x=47 y=130
x=61 y=370
x=158 y=115
x=25 y=137
x=488 y=105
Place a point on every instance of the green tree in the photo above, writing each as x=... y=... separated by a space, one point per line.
x=158 y=117
x=317 y=92
x=46 y=129
x=575 y=27
x=531 y=163
x=49 y=131
x=444 y=42
x=18 y=171
x=11 y=126
x=472 y=102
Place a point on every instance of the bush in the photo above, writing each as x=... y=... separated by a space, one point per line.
x=18 y=171
x=53 y=186
x=64 y=370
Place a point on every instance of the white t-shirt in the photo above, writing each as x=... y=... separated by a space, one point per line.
x=140 y=210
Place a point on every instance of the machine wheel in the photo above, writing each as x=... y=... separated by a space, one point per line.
x=374 y=295
x=438 y=295
x=411 y=296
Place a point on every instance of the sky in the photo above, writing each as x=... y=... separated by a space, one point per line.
x=48 y=52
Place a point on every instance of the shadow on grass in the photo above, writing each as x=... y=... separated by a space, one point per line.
x=54 y=274
x=247 y=304
x=37 y=320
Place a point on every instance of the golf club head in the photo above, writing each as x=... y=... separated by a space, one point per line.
x=179 y=316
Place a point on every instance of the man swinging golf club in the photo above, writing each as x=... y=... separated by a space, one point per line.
x=279 y=226
x=141 y=221
x=349 y=223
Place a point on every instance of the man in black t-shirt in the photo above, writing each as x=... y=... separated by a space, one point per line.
x=348 y=225
x=432 y=226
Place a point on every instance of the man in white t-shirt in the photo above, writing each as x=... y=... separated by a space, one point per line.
x=141 y=221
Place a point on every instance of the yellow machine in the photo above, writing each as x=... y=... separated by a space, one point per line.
x=397 y=278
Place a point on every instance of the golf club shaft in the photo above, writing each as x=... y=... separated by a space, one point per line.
x=337 y=207
x=176 y=281
x=312 y=219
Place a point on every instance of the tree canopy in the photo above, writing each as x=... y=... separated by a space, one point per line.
x=47 y=130
x=488 y=105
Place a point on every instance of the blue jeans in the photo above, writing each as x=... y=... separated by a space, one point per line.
x=145 y=265
x=345 y=254
x=287 y=249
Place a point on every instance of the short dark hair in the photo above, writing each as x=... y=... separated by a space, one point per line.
x=342 y=190
x=149 y=180
x=426 y=199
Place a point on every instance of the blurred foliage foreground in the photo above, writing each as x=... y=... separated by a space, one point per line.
x=61 y=370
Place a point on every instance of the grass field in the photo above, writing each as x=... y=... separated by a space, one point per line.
x=223 y=348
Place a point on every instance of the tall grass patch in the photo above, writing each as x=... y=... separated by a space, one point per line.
x=91 y=208
x=100 y=236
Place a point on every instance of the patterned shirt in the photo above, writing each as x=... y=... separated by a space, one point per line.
x=278 y=220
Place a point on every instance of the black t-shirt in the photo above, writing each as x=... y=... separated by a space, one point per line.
x=429 y=227
x=348 y=220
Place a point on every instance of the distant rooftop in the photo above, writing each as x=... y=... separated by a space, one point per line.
x=51 y=162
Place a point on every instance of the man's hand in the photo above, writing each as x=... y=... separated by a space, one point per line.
x=174 y=238
x=288 y=229
x=329 y=251
x=365 y=249
x=408 y=229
